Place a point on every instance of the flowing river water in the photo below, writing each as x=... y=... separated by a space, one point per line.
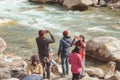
x=30 y=18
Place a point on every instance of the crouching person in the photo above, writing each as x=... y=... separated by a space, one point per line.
x=34 y=69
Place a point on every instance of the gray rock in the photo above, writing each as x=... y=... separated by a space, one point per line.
x=5 y=73
x=3 y=64
x=115 y=77
x=102 y=3
x=89 y=78
x=109 y=69
x=95 y=72
x=113 y=3
x=104 y=48
x=15 y=68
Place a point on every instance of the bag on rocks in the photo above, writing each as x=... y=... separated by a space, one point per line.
x=33 y=77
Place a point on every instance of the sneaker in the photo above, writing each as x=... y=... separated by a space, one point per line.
x=62 y=75
x=81 y=76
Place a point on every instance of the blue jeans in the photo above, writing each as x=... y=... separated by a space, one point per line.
x=65 y=65
x=83 y=68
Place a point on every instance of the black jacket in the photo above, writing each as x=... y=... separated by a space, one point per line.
x=43 y=45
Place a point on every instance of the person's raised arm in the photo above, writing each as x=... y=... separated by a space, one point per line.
x=52 y=40
x=83 y=44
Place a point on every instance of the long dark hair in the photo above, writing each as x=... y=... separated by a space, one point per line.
x=76 y=49
x=82 y=37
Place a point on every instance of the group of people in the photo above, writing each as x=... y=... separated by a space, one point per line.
x=40 y=64
x=76 y=57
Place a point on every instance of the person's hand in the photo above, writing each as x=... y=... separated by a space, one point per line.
x=75 y=37
x=81 y=39
x=49 y=31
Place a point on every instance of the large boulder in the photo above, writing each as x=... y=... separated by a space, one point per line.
x=104 y=48
x=79 y=4
x=2 y=45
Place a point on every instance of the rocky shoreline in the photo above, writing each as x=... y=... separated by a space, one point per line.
x=82 y=5
x=102 y=64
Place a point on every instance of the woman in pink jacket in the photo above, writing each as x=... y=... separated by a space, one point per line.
x=76 y=63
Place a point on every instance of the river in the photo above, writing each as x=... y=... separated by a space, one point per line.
x=32 y=17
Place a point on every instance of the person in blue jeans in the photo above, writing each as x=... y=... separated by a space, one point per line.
x=64 y=50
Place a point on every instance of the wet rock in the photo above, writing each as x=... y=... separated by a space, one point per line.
x=2 y=45
x=104 y=48
x=95 y=72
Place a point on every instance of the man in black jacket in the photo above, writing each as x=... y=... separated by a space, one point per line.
x=43 y=50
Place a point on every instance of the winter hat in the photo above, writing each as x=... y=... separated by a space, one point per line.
x=41 y=32
x=35 y=58
x=65 y=33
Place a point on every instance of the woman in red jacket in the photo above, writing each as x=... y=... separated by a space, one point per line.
x=76 y=63
x=81 y=45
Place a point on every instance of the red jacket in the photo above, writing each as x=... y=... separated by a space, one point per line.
x=76 y=62
x=81 y=47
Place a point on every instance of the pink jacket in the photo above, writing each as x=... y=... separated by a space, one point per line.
x=76 y=62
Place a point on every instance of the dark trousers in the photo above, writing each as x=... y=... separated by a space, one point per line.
x=65 y=65
x=75 y=76
x=46 y=68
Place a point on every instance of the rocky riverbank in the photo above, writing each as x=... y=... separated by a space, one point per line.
x=82 y=4
x=103 y=65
